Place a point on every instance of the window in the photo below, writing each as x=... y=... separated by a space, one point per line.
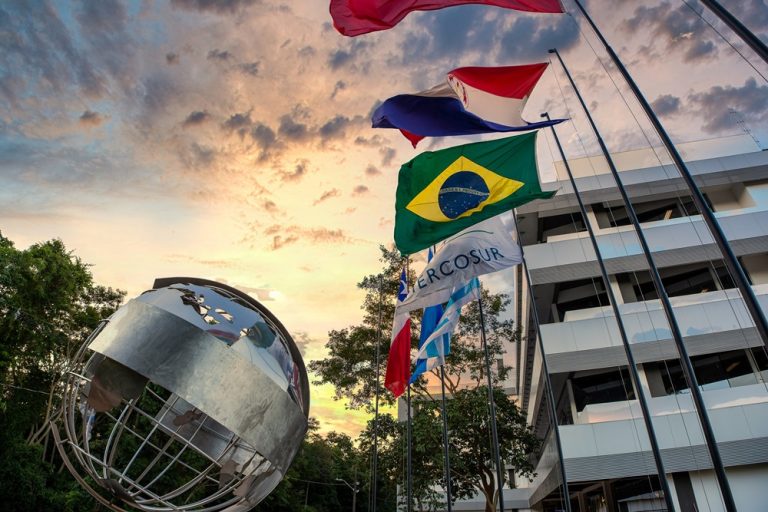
x=581 y=294
x=761 y=362
x=713 y=371
x=665 y=209
x=611 y=386
x=678 y=280
x=560 y=225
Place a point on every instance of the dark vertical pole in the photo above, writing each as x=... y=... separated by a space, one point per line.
x=374 y=462
x=701 y=408
x=409 y=482
x=446 y=456
x=743 y=32
x=409 y=463
x=491 y=405
x=729 y=258
x=647 y=416
x=545 y=369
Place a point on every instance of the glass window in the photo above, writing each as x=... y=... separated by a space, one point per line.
x=612 y=386
x=761 y=360
x=713 y=371
x=581 y=294
x=560 y=225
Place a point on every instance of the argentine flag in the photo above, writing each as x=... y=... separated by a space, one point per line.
x=433 y=351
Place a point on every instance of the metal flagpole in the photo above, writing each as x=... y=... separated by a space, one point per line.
x=409 y=483
x=647 y=417
x=729 y=258
x=743 y=32
x=409 y=475
x=447 y=457
x=491 y=404
x=686 y=364
x=545 y=369
x=374 y=483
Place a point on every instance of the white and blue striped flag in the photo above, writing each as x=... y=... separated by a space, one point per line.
x=433 y=351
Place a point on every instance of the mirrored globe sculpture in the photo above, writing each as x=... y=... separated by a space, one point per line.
x=192 y=396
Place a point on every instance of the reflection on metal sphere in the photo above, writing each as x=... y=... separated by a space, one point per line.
x=192 y=396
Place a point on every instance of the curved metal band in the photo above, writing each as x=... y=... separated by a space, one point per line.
x=208 y=374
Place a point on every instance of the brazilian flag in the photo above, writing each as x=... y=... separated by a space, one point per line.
x=439 y=193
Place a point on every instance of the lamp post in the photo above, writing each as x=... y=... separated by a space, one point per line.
x=355 y=489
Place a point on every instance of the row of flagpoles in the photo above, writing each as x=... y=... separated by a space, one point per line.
x=459 y=193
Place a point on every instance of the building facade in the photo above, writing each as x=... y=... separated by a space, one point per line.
x=606 y=452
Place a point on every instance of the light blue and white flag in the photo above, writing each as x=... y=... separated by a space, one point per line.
x=435 y=348
x=429 y=321
x=486 y=247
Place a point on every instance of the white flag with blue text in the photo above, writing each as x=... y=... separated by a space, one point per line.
x=486 y=247
x=433 y=349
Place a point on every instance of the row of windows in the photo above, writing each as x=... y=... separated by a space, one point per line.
x=713 y=371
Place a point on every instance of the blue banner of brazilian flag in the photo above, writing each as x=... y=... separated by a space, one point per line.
x=439 y=193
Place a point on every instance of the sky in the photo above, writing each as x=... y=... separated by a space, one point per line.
x=231 y=140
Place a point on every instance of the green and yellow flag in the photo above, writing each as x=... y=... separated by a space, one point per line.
x=439 y=193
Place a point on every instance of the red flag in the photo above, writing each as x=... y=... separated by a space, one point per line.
x=355 y=17
x=399 y=361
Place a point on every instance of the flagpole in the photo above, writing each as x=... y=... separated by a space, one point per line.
x=408 y=486
x=447 y=457
x=686 y=365
x=545 y=368
x=743 y=32
x=647 y=417
x=729 y=258
x=409 y=481
x=491 y=403
x=374 y=484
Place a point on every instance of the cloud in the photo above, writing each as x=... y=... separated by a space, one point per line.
x=340 y=58
x=263 y=135
x=249 y=68
x=198 y=156
x=172 y=58
x=217 y=54
x=292 y=130
x=339 y=86
x=327 y=195
x=360 y=190
x=334 y=128
x=215 y=6
x=283 y=236
x=265 y=139
x=374 y=142
x=238 y=122
x=298 y=172
x=666 y=105
x=37 y=44
x=539 y=35
x=372 y=170
x=196 y=118
x=678 y=29
x=717 y=105
x=90 y=118
x=387 y=155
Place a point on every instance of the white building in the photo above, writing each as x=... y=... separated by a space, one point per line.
x=606 y=452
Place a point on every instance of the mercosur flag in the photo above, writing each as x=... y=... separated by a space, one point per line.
x=440 y=193
x=480 y=249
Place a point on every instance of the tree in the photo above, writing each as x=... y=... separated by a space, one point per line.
x=48 y=305
x=351 y=369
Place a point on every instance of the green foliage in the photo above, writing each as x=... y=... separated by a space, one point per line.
x=350 y=368
x=48 y=305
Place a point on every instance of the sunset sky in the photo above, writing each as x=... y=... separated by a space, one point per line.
x=231 y=140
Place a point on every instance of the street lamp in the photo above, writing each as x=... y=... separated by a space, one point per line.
x=355 y=489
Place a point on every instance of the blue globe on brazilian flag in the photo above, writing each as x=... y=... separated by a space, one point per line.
x=439 y=193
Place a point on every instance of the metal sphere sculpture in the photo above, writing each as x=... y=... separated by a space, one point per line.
x=192 y=396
